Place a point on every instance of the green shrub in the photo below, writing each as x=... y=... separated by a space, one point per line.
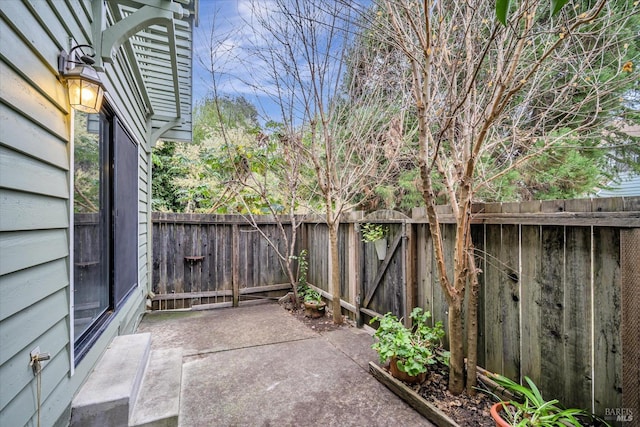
x=414 y=348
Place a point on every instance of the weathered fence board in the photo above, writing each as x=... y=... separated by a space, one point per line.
x=510 y=296
x=440 y=309
x=477 y=236
x=607 y=320
x=493 y=306
x=577 y=321
x=386 y=283
x=555 y=294
x=531 y=294
x=318 y=253
x=551 y=305
x=501 y=282
x=424 y=297
x=210 y=259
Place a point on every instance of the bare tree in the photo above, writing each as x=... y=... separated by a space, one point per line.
x=280 y=174
x=262 y=167
x=348 y=136
x=490 y=97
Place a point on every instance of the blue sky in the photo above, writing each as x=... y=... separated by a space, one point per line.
x=238 y=72
x=234 y=47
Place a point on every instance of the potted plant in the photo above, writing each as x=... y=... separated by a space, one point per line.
x=409 y=350
x=530 y=409
x=376 y=233
x=314 y=307
x=302 y=286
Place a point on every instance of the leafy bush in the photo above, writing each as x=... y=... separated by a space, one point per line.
x=414 y=348
x=312 y=296
x=532 y=409
x=373 y=232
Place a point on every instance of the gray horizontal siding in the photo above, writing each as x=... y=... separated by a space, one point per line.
x=19 y=95
x=32 y=322
x=20 y=172
x=16 y=374
x=144 y=198
x=21 y=409
x=34 y=207
x=44 y=42
x=31 y=68
x=25 y=249
x=628 y=185
x=34 y=202
x=27 y=137
x=20 y=211
x=47 y=278
x=63 y=11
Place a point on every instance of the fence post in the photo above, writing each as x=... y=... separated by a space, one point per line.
x=235 y=261
x=410 y=267
x=353 y=259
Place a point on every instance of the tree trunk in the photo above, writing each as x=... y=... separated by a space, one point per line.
x=292 y=280
x=334 y=274
x=472 y=326
x=456 y=362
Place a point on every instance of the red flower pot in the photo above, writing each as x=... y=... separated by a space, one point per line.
x=496 y=409
x=403 y=376
x=314 y=309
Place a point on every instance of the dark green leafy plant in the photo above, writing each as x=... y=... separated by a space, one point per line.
x=414 y=348
x=502 y=8
x=532 y=409
x=303 y=266
x=372 y=232
x=312 y=296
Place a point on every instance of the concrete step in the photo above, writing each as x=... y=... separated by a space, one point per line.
x=158 y=401
x=107 y=398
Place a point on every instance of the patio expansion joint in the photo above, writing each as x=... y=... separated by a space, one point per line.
x=365 y=366
x=199 y=353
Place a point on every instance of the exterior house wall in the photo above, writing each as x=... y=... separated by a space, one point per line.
x=36 y=184
x=627 y=185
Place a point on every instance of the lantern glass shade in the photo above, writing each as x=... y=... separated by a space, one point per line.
x=85 y=89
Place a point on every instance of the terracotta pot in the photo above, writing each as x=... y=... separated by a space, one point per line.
x=496 y=409
x=314 y=309
x=403 y=376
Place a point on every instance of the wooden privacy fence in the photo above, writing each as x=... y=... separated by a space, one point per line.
x=557 y=279
x=206 y=261
x=559 y=296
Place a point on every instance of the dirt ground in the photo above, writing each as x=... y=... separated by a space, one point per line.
x=321 y=324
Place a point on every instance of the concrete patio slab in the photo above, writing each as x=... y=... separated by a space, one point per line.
x=222 y=329
x=259 y=366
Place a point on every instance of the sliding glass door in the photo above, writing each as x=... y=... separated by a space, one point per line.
x=105 y=206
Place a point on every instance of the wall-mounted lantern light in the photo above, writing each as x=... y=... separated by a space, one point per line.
x=85 y=89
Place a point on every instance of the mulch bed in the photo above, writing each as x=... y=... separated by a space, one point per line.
x=321 y=324
x=467 y=411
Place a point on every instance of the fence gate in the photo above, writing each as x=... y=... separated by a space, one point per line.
x=387 y=283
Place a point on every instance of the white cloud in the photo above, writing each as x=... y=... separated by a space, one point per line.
x=231 y=41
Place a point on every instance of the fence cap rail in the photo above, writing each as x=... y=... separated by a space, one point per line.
x=605 y=212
